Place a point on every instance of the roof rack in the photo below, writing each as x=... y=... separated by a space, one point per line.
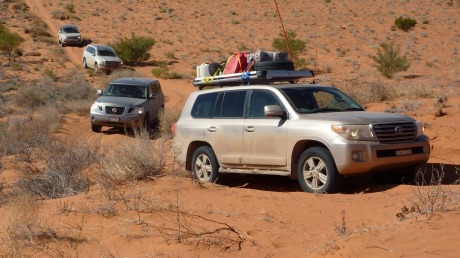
x=253 y=77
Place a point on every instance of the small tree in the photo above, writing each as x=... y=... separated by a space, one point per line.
x=9 y=41
x=297 y=46
x=388 y=61
x=133 y=50
x=405 y=23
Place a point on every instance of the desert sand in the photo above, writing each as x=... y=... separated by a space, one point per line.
x=254 y=216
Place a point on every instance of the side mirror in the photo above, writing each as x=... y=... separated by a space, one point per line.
x=274 y=111
x=99 y=92
x=153 y=96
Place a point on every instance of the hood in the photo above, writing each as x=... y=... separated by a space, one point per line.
x=120 y=101
x=358 y=117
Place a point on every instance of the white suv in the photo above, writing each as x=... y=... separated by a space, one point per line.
x=313 y=133
x=69 y=34
x=101 y=57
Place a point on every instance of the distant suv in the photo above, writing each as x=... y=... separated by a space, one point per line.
x=127 y=103
x=315 y=134
x=69 y=34
x=100 y=57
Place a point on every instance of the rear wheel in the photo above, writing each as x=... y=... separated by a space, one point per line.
x=316 y=171
x=204 y=164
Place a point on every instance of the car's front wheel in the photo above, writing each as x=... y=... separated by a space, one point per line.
x=96 y=67
x=204 y=164
x=96 y=128
x=316 y=171
x=85 y=65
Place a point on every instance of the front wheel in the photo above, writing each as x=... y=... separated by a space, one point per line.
x=204 y=164
x=85 y=65
x=96 y=67
x=96 y=128
x=316 y=171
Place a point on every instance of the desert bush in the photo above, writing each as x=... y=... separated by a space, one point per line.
x=163 y=72
x=70 y=8
x=9 y=41
x=33 y=96
x=18 y=135
x=78 y=106
x=167 y=119
x=429 y=195
x=131 y=160
x=133 y=50
x=388 y=61
x=21 y=217
x=405 y=23
x=63 y=174
x=296 y=46
x=50 y=73
x=78 y=88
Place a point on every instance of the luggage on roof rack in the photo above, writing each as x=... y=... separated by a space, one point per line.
x=253 y=77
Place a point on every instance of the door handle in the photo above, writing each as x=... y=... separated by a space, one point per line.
x=212 y=129
x=249 y=129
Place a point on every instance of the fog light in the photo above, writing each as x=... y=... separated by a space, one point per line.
x=356 y=156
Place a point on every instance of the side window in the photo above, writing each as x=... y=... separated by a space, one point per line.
x=260 y=99
x=157 y=88
x=204 y=105
x=233 y=104
x=92 y=50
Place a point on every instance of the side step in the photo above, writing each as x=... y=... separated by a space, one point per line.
x=255 y=171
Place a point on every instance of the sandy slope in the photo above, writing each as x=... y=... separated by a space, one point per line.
x=271 y=214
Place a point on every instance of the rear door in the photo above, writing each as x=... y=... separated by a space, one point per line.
x=225 y=131
x=264 y=137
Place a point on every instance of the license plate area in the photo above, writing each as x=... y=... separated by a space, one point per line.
x=403 y=152
x=114 y=119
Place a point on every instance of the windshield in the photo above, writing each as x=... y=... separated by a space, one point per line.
x=310 y=99
x=105 y=52
x=127 y=91
x=70 y=30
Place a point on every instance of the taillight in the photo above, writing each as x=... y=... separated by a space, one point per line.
x=173 y=129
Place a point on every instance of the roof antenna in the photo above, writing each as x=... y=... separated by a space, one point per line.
x=284 y=31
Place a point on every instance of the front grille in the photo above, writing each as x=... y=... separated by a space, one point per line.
x=114 y=110
x=112 y=63
x=392 y=153
x=395 y=132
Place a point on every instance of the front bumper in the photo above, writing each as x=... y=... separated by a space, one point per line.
x=128 y=121
x=72 y=41
x=364 y=157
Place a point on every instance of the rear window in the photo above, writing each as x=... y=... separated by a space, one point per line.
x=204 y=105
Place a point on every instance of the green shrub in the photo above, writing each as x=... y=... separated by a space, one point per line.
x=9 y=41
x=297 y=46
x=405 y=23
x=70 y=8
x=133 y=50
x=388 y=61
x=163 y=72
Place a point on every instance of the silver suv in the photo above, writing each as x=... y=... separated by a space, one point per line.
x=127 y=103
x=101 y=57
x=69 y=34
x=313 y=133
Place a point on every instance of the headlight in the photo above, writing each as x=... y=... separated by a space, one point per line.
x=96 y=108
x=354 y=132
x=138 y=111
x=78 y=37
x=420 y=128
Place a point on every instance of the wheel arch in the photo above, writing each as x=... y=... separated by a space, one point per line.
x=191 y=149
x=298 y=149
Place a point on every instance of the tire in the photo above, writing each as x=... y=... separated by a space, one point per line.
x=96 y=128
x=146 y=122
x=96 y=67
x=326 y=179
x=273 y=65
x=85 y=65
x=204 y=164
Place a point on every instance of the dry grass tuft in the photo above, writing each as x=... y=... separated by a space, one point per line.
x=167 y=119
x=429 y=195
x=134 y=159
x=21 y=218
